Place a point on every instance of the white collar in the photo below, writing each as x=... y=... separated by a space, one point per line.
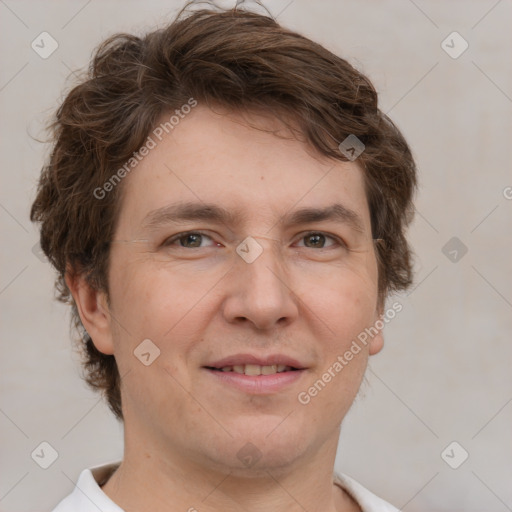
x=87 y=496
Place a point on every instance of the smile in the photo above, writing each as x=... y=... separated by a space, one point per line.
x=254 y=379
x=255 y=369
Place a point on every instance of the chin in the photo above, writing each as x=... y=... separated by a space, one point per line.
x=261 y=444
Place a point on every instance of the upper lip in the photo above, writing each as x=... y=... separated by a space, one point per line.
x=243 y=359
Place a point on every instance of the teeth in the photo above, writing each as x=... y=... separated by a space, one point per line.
x=255 y=369
x=268 y=370
x=252 y=369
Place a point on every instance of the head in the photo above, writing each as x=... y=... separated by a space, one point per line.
x=229 y=110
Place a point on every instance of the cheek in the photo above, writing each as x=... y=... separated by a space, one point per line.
x=166 y=305
x=346 y=306
x=147 y=303
x=345 y=299
x=163 y=307
x=150 y=292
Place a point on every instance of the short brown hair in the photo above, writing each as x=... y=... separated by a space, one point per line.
x=234 y=58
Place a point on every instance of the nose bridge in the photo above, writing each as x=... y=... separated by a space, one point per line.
x=263 y=263
x=261 y=292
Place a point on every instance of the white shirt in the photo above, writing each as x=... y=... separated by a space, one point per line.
x=87 y=496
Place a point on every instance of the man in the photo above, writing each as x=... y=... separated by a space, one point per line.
x=225 y=206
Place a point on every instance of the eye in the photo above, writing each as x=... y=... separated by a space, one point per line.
x=189 y=240
x=317 y=240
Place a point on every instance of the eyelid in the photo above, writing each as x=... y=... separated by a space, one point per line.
x=170 y=240
x=336 y=238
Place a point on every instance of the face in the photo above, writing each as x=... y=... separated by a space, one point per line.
x=239 y=254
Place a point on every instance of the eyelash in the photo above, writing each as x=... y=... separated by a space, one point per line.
x=169 y=241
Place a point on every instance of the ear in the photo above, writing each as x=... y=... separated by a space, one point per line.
x=93 y=310
x=377 y=342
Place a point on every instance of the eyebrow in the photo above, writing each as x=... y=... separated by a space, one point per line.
x=191 y=211
x=185 y=212
x=335 y=212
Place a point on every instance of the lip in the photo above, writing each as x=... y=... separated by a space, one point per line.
x=242 y=359
x=257 y=384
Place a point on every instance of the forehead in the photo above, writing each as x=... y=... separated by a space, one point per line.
x=250 y=164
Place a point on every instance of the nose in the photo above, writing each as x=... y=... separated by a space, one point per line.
x=259 y=290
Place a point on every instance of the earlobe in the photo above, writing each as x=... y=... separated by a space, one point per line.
x=93 y=310
x=377 y=342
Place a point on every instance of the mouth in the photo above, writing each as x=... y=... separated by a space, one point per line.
x=256 y=375
x=254 y=369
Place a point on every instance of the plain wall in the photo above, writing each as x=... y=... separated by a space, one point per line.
x=444 y=374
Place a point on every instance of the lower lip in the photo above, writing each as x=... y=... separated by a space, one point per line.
x=257 y=384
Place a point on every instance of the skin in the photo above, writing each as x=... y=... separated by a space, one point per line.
x=183 y=426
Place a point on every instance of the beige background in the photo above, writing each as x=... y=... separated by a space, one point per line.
x=444 y=374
